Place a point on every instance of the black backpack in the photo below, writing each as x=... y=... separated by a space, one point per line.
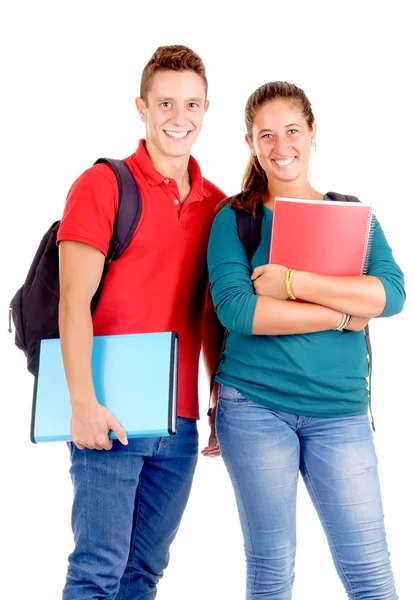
x=34 y=308
x=249 y=231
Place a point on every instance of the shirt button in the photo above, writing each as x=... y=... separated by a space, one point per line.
x=176 y=201
x=166 y=180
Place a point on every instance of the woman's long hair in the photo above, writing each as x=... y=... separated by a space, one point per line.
x=255 y=181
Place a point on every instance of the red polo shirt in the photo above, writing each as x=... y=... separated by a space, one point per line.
x=159 y=283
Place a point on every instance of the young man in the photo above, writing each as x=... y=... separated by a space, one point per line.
x=130 y=496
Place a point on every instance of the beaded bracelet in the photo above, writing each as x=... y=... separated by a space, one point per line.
x=288 y=277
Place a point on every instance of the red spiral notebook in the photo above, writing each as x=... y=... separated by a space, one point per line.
x=322 y=236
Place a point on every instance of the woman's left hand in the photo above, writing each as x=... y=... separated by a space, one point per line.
x=269 y=280
x=212 y=449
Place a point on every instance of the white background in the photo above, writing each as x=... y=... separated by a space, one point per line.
x=69 y=75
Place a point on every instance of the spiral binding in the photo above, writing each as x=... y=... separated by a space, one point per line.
x=368 y=242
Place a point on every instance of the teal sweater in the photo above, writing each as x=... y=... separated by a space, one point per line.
x=319 y=374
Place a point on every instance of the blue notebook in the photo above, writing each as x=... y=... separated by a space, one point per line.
x=135 y=378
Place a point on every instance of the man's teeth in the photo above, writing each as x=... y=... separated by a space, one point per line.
x=176 y=134
x=285 y=162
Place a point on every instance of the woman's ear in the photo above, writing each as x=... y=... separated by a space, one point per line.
x=250 y=144
x=313 y=134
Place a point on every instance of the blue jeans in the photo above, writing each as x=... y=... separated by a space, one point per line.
x=264 y=450
x=128 y=503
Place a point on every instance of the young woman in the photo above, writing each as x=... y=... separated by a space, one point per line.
x=293 y=395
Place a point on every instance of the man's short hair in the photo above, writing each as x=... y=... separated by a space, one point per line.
x=171 y=58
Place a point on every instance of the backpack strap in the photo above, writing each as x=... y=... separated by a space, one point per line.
x=129 y=208
x=341 y=197
x=249 y=229
x=126 y=219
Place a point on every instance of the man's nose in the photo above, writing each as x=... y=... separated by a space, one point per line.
x=179 y=116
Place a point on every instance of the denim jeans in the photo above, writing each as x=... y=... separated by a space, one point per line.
x=264 y=450
x=128 y=503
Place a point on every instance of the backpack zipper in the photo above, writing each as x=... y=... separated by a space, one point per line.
x=10 y=311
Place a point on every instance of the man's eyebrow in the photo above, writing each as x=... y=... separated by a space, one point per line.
x=293 y=125
x=169 y=99
x=262 y=130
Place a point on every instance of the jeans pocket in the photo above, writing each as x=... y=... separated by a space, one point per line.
x=231 y=396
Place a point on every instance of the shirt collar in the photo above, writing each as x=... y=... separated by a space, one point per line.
x=153 y=177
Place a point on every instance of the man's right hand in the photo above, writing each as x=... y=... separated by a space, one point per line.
x=90 y=426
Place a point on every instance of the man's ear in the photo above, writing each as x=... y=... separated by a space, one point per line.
x=141 y=106
x=206 y=105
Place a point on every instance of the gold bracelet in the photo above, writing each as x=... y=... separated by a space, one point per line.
x=288 y=278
